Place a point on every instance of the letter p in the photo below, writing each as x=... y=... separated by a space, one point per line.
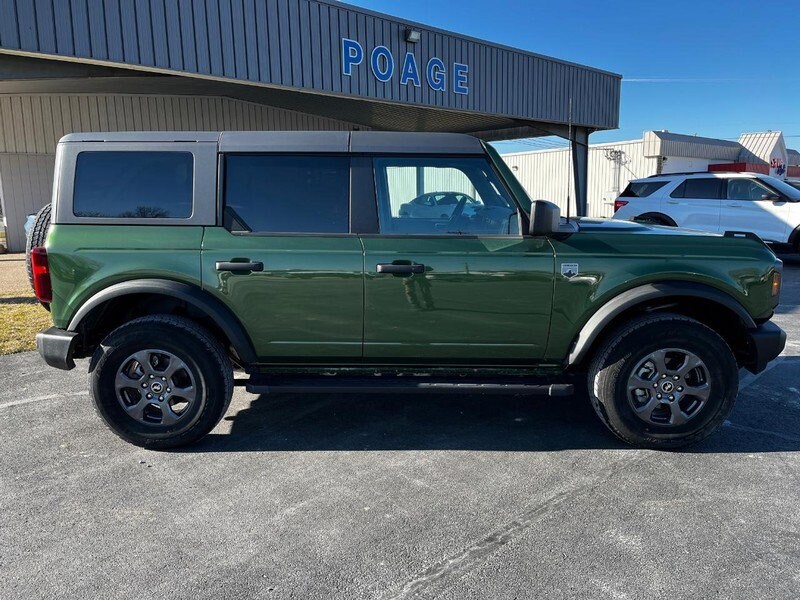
x=352 y=54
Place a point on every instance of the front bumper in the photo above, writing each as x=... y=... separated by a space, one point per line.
x=56 y=347
x=764 y=344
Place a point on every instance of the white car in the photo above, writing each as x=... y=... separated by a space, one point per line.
x=437 y=205
x=716 y=202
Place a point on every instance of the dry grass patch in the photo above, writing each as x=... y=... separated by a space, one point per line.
x=21 y=318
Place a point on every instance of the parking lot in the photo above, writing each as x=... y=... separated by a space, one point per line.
x=399 y=497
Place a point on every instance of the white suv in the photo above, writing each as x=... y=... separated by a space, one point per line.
x=716 y=202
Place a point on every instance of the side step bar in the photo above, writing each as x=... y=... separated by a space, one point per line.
x=401 y=385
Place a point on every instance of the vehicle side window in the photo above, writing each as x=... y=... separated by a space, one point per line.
x=133 y=185
x=642 y=189
x=273 y=193
x=709 y=188
x=746 y=189
x=469 y=198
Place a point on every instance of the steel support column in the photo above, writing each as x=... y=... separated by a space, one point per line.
x=580 y=168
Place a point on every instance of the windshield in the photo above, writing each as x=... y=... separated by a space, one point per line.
x=782 y=187
x=794 y=184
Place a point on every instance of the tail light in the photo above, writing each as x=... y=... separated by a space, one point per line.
x=619 y=204
x=41 y=275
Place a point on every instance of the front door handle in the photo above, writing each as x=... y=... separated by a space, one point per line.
x=239 y=267
x=400 y=269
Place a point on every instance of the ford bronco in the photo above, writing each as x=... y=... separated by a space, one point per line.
x=173 y=259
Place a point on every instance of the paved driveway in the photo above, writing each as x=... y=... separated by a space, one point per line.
x=398 y=497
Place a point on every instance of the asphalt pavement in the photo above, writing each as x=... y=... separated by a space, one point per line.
x=399 y=497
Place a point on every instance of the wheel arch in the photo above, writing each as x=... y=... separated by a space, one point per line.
x=794 y=238
x=134 y=298
x=658 y=216
x=715 y=308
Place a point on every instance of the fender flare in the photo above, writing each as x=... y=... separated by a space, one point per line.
x=191 y=294
x=651 y=291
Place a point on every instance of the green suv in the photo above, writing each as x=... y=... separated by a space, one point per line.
x=173 y=259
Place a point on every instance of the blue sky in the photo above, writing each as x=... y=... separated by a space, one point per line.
x=711 y=68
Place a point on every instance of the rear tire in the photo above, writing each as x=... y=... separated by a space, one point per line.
x=643 y=389
x=161 y=381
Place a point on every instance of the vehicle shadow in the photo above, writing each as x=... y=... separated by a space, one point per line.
x=371 y=422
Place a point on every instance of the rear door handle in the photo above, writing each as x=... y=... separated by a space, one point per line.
x=400 y=269
x=734 y=203
x=672 y=202
x=239 y=267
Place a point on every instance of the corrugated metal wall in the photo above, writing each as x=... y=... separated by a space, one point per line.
x=27 y=181
x=297 y=43
x=547 y=175
x=31 y=124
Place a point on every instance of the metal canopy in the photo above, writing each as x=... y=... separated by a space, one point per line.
x=291 y=54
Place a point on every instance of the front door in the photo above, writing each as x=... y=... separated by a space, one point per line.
x=465 y=287
x=285 y=262
x=745 y=209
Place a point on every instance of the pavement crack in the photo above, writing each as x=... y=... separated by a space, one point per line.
x=465 y=560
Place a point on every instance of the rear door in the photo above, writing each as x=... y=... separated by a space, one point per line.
x=464 y=288
x=696 y=203
x=745 y=209
x=285 y=261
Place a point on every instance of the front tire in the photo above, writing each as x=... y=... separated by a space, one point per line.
x=663 y=381
x=161 y=381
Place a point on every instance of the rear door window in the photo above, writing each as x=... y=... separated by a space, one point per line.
x=133 y=185
x=709 y=188
x=273 y=193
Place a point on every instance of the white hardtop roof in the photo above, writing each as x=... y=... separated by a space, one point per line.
x=300 y=141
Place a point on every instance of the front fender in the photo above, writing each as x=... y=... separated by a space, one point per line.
x=645 y=293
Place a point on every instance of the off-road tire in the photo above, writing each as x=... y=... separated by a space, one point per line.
x=617 y=357
x=195 y=346
x=37 y=237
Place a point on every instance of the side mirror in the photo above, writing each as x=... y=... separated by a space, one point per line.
x=545 y=218
x=771 y=197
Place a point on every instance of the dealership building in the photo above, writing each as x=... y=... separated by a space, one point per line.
x=185 y=65
x=546 y=173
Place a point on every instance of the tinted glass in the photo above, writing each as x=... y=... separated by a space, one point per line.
x=133 y=185
x=288 y=194
x=708 y=188
x=787 y=188
x=746 y=189
x=642 y=189
x=468 y=198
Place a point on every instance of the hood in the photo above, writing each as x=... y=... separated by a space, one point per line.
x=594 y=225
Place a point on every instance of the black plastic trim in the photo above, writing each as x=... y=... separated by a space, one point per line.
x=630 y=298
x=56 y=347
x=190 y=294
x=764 y=345
x=260 y=384
x=363 y=205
